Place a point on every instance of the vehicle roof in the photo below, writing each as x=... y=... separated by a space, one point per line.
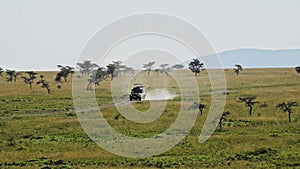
x=138 y=85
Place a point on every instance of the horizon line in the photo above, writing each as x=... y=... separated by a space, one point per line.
x=246 y=67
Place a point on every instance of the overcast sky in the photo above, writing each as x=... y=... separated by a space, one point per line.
x=36 y=34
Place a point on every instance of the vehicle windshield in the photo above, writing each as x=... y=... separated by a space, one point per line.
x=137 y=90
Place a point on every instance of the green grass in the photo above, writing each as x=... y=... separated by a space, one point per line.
x=39 y=130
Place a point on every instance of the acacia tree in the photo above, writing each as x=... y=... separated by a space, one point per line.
x=1 y=71
x=287 y=108
x=297 y=69
x=237 y=69
x=221 y=118
x=86 y=67
x=113 y=69
x=148 y=67
x=165 y=69
x=12 y=75
x=249 y=102
x=195 y=66
x=125 y=69
x=118 y=67
x=16 y=75
x=129 y=70
x=157 y=70
x=97 y=76
x=29 y=80
x=178 y=66
x=44 y=84
x=64 y=72
x=198 y=106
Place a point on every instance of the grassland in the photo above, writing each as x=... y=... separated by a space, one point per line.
x=42 y=131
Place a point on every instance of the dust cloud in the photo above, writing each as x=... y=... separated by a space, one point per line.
x=159 y=94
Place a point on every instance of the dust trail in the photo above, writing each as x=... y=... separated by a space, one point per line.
x=160 y=94
x=157 y=94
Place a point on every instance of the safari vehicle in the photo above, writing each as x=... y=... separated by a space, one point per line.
x=138 y=92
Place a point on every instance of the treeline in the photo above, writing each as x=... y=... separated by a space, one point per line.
x=29 y=77
x=97 y=74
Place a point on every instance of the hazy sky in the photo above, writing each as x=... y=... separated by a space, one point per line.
x=38 y=34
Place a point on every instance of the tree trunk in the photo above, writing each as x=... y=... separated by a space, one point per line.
x=112 y=76
x=250 y=112
x=48 y=89
x=201 y=111
x=30 y=84
x=89 y=86
x=289 y=114
x=220 y=123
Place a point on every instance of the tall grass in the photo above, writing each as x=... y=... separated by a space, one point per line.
x=42 y=130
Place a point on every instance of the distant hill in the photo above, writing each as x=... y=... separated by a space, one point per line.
x=258 y=58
